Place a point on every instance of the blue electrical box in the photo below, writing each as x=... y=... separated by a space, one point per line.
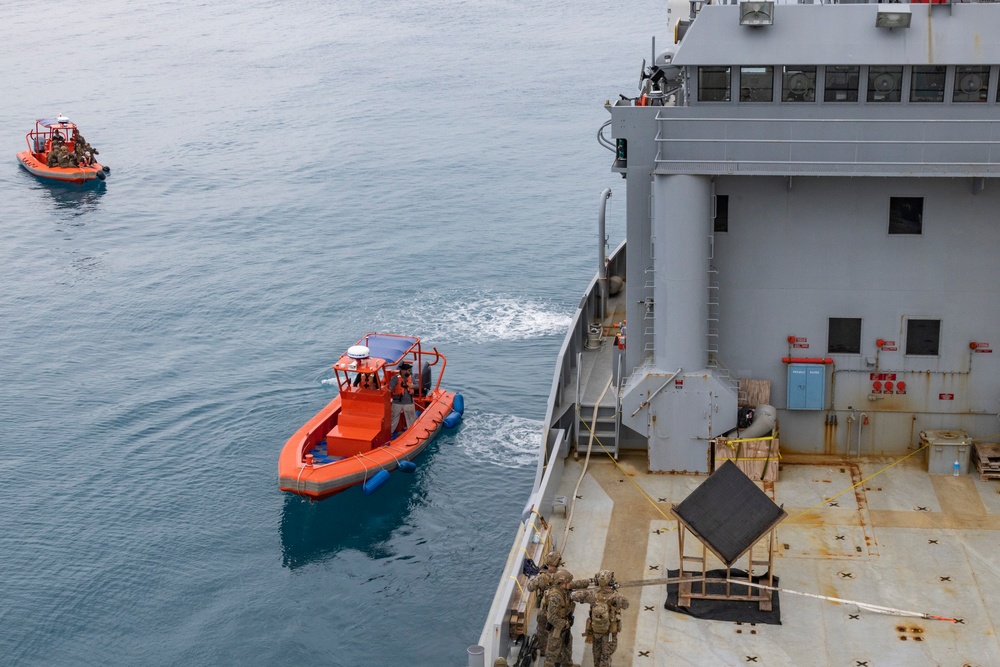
x=806 y=385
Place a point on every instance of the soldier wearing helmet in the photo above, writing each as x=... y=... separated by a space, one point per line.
x=604 y=619
x=539 y=584
x=553 y=560
x=558 y=611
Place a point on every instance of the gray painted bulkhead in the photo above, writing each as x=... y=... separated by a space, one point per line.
x=803 y=249
x=794 y=257
x=809 y=187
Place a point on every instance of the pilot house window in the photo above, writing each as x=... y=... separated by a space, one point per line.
x=844 y=335
x=971 y=83
x=798 y=84
x=713 y=84
x=927 y=83
x=906 y=215
x=757 y=84
x=842 y=82
x=884 y=83
x=923 y=337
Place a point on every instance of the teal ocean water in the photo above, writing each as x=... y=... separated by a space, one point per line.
x=286 y=176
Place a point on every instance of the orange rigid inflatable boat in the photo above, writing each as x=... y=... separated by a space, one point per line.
x=50 y=135
x=352 y=440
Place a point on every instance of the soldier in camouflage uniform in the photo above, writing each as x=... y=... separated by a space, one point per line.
x=604 y=621
x=538 y=584
x=558 y=609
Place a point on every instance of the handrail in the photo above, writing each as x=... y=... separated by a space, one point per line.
x=653 y=395
x=618 y=407
x=602 y=141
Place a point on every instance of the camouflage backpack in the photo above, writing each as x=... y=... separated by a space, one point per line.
x=600 y=618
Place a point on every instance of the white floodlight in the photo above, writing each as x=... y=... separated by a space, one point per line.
x=893 y=16
x=757 y=13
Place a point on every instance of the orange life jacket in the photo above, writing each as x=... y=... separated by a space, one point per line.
x=404 y=385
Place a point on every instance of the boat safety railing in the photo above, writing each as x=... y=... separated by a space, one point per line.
x=708 y=141
x=496 y=639
x=560 y=412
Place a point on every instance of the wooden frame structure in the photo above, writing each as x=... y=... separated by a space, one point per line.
x=690 y=578
x=729 y=515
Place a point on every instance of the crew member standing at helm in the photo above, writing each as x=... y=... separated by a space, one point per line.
x=402 y=390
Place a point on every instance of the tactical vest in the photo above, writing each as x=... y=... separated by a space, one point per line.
x=600 y=618
x=556 y=594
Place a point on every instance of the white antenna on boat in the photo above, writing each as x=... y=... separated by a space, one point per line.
x=358 y=352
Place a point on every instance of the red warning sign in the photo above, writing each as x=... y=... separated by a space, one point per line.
x=946 y=397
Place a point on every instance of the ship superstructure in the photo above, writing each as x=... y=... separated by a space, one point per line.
x=812 y=208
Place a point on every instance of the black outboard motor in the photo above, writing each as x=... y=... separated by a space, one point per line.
x=425 y=378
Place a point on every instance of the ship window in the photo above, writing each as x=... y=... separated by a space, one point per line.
x=842 y=83
x=844 y=335
x=757 y=84
x=971 y=83
x=713 y=84
x=927 y=83
x=906 y=215
x=884 y=83
x=722 y=213
x=923 y=337
x=798 y=84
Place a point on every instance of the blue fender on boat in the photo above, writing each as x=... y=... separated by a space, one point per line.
x=453 y=419
x=407 y=466
x=375 y=482
x=458 y=405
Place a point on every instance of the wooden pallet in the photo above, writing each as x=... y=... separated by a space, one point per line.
x=757 y=458
x=986 y=457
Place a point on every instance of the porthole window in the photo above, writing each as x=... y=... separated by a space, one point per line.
x=757 y=84
x=721 y=213
x=798 y=84
x=884 y=83
x=713 y=84
x=971 y=83
x=844 y=336
x=923 y=337
x=906 y=215
x=927 y=83
x=842 y=83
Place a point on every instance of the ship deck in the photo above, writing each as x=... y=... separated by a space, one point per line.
x=903 y=539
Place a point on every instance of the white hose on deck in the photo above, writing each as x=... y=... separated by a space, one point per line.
x=586 y=462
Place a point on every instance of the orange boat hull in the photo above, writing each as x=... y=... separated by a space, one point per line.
x=65 y=174
x=321 y=480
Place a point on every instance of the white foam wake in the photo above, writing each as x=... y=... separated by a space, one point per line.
x=479 y=318
x=505 y=440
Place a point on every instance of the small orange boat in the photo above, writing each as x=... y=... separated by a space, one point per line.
x=48 y=134
x=353 y=440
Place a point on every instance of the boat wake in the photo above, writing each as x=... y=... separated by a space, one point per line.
x=479 y=318
x=503 y=440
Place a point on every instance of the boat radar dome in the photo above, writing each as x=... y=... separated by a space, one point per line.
x=358 y=352
x=62 y=119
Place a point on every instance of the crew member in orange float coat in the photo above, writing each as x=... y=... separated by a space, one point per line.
x=402 y=395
